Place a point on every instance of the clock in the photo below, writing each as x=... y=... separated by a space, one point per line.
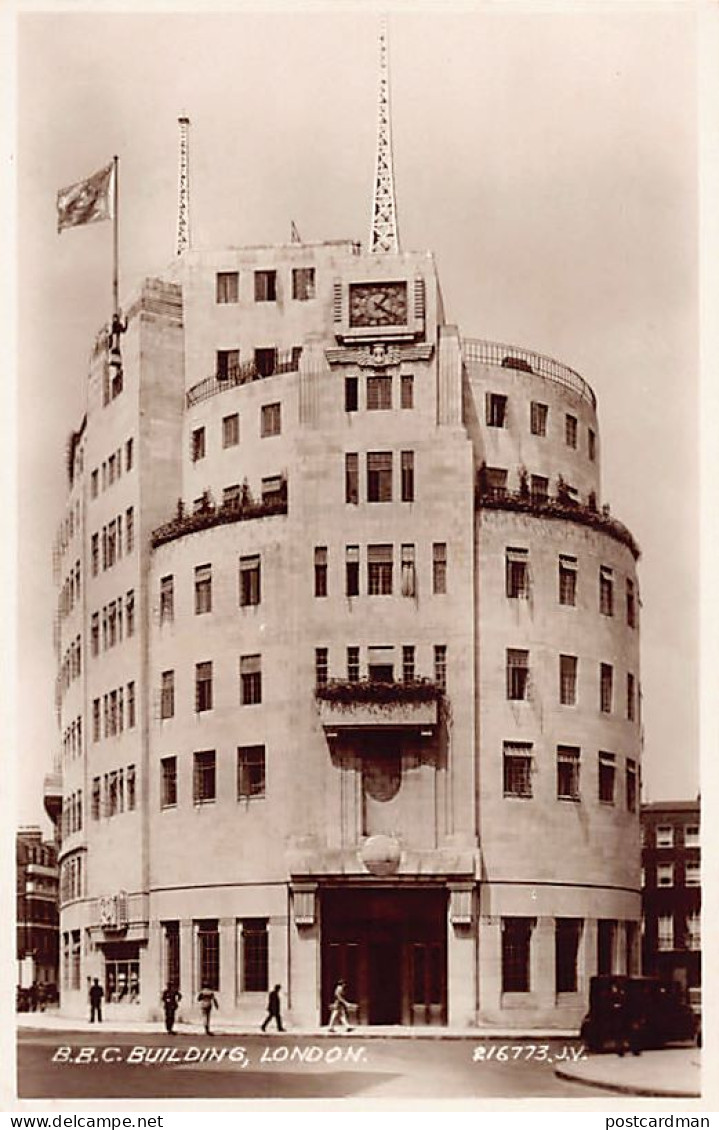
x=378 y=304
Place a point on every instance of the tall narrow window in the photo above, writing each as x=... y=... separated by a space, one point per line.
x=167 y=599
x=303 y=283
x=606 y=591
x=168 y=782
x=167 y=695
x=567 y=579
x=231 y=430
x=320 y=570
x=131 y=788
x=171 y=970
x=197 y=444
x=250 y=680
x=351 y=394
x=567 y=772
x=352 y=568
x=227 y=362
x=379 y=570
x=270 y=420
x=408 y=663
x=131 y=715
x=227 y=287
x=250 y=771
x=407 y=463
x=130 y=528
x=203 y=589
x=516 y=940
x=631 y=604
x=203 y=687
x=255 y=950
x=607 y=777
x=351 y=477
x=321 y=666
x=566 y=940
x=606 y=680
x=665 y=932
x=95 y=634
x=631 y=785
x=630 y=697
x=250 y=580
x=539 y=488
x=538 y=418
x=353 y=664
x=440 y=665
x=517 y=674
x=265 y=286
x=591 y=445
x=517 y=766
x=567 y=680
x=204 y=779
x=266 y=361
x=408 y=581
x=129 y=613
x=95 y=553
x=496 y=408
x=439 y=567
x=379 y=476
x=570 y=430
x=517 y=573
x=407 y=390
x=379 y=391
x=96 y=794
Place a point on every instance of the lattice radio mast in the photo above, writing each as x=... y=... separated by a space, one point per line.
x=384 y=236
x=183 y=188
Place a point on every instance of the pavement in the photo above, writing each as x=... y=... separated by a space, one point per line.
x=664 y=1073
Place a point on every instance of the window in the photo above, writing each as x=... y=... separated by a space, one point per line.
x=631 y=605
x=517 y=572
x=129 y=613
x=440 y=665
x=130 y=785
x=95 y=553
x=351 y=394
x=228 y=363
x=203 y=686
x=266 y=361
x=570 y=430
x=591 y=445
x=407 y=465
x=380 y=664
x=539 y=488
x=131 y=705
x=408 y=663
x=379 y=570
x=250 y=680
x=538 y=418
x=96 y=794
x=439 y=567
x=630 y=696
x=351 y=477
x=228 y=287
x=96 y=720
x=168 y=782
x=208 y=953
x=93 y=484
x=606 y=679
x=274 y=489
x=171 y=970
x=230 y=430
x=167 y=599
x=694 y=930
x=265 y=286
x=204 y=777
x=95 y=634
x=566 y=942
x=110 y=548
x=631 y=785
x=665 y=932
x=270 y=420
x=197 y=444
x=129 y=528
x=567 y=579
x=607 y=777
x=321 y=570
x=167 y=694
x=353 y=664
x=568 y=680
x=606 y=591
x=516 y=940
x=352 y=566
x=254 y=955
x=517 y=674
x=379 y=476
x=406 y=385
x=303 y=283
x=250 y=580
x=111 y=469
x=129 y=454
x=665 y=836
x=321 y=666
x=517 y=765
x=203 y=589
x=691 y=835
x=379 y=391
x=407 y=571
x=496 y=409
x=665 y=874
x=231 y=497
x=567 y=772
x=250 y=771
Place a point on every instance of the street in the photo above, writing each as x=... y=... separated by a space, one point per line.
x=113 y=1065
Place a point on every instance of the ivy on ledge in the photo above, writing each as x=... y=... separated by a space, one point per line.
x=244 y=510
x=346 y=693
x=560 y=507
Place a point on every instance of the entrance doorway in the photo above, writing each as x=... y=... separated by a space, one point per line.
x=390 y=947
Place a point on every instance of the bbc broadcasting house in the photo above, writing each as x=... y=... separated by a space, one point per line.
x=348 y=655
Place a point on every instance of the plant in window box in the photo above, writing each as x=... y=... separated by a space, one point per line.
x=245 y=495
x=523 y=482
x=592 y=500
x=346 y=693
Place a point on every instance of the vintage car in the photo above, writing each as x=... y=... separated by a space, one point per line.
x=635 y=1013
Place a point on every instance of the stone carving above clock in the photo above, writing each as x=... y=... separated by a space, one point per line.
x=377 y=304
x=378 y=355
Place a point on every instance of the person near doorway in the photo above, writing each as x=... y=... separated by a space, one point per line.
x=273 y=1009
x=208 y=1001
x=170 y=1000
x=96 y=994
x=339 y=1011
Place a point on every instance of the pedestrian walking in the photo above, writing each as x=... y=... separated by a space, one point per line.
x=96 y=994
x=208 y=1001
x=273 y=1009
x=340 y=1008
x=170 y=1000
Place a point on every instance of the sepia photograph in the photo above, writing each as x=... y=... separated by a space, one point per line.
x=357 y=706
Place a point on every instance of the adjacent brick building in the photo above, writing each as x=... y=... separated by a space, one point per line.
x=671 y=891
x=36 y=873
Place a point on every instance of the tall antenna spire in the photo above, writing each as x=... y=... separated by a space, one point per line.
x=183 y=194
x=383 y=235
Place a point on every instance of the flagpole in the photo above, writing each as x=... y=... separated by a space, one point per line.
x=115 y=238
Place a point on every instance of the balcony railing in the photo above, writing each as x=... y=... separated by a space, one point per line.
x=242 y=510
x=561 y=507
x=346 y=704
x=243 y=374
x=526 y=361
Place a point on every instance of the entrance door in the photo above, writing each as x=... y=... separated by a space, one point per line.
x=385 y=983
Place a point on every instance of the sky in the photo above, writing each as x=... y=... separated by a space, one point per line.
x=548 y=159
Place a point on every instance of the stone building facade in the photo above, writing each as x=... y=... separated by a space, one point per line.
x=348 y=653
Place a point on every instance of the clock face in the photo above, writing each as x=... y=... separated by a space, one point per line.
x=378 y=304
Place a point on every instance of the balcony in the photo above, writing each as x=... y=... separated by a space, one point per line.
x=52 y=796
x=236 y=375
x=527 y=361
x=243 y=509
x=365 y=704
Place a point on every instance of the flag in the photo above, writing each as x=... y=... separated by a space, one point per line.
x=87 y=201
